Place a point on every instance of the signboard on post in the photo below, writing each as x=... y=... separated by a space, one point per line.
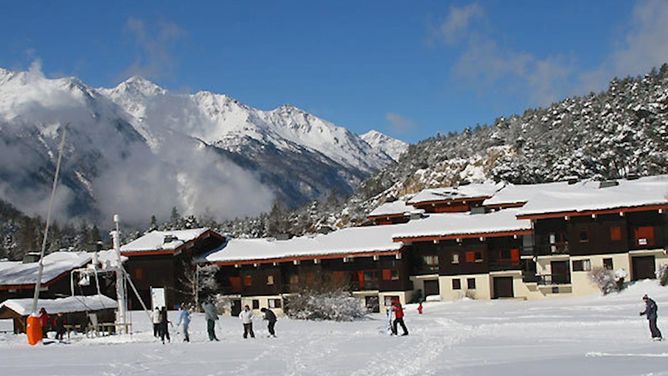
x=158 y=297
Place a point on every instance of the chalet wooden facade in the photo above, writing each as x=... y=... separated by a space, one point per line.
x=160 y=259
x=486 y=243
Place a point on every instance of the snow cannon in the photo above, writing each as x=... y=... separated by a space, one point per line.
x=33 y=330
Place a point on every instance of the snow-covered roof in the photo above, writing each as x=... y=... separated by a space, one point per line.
x=462 y=224
x=521 y=193
x=155 y=240
x=588 y=196
x=55 y=264
x=455 y=193
x=61 y=305
x=346 y=241
x=394 y=208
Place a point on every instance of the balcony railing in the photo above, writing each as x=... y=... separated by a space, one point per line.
x=554 y=279
x=504 y=264
x=553 y=249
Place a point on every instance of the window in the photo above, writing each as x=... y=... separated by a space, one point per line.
x=478 y=257
x=256 y=304
x=431 y=262
x=581 y=265
x=615 y=233
x=607 y=263
x=644 y=235
x=470 y=256
x=456 y=284
x=455 y=258
x=270 y=280
x=390 y=274
x=248 y=280
x=275 y=303
x=470 y=283
x=583 y=236
x=294 y=279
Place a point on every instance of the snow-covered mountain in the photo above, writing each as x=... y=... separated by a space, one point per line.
x=390 y=146
x=140 y=149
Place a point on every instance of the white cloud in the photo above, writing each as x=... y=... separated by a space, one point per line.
x=154 y=58
x=485 y=65
x=400 y=124
x=455 y=25
x=643 y=47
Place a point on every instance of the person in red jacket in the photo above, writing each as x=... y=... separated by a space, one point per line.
x=398 y=319
x=44 y=321
x=419 y=308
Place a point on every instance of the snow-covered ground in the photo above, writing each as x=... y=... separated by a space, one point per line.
x=573 y=336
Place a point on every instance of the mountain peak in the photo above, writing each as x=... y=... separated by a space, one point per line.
x=140 y=85
x=389 y=145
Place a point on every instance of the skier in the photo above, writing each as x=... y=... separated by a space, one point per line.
x=398 y=319
x=419 y=308
x=155 y=317
x=44 y=322
x=211 y=317
x=184 y=317
x=59 y=323
x=651 y=312
x=164 y=321
x=270 y=316
x=246 y=317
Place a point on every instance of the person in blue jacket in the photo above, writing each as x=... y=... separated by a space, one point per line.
x=651 y=312
x=184 y=317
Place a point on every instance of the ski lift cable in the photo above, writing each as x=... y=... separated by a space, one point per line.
x=40 y=269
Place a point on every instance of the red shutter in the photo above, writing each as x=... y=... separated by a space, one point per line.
x=470 y=256
x=248 y=281
x=644 y=235
x=615 y=233
x=235 y=282
x=515 y=256
x=387 y=274
x=360 y=278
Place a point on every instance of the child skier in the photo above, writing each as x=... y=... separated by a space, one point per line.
x=184 y=317
x=246 y=317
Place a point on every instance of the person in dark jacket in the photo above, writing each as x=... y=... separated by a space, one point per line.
x=398 y=319
x=270 y=316
x=211 y=316
x=651 y=312
x=59 y=323
x=164 y=321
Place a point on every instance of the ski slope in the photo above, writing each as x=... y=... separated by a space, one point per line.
x=577 y=336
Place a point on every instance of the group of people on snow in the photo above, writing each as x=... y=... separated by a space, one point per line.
x=161 y=321
x=57 y=323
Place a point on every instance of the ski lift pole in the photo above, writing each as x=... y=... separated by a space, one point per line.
x=32 y=338
x=120 y=278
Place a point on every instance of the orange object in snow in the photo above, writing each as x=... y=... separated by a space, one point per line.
x=33 y=330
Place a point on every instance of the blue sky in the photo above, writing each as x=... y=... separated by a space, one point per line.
x=409 y=69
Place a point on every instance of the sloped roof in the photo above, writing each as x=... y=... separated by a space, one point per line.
x=346 y=241
x=462 y=224
x=17 y=273
x=461 y=192
x=394 y=208
x=155 y=240
x=61 y=305
x=588 y=196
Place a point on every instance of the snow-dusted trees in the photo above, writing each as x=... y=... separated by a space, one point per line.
x=662 y=275
x=324 y=301
x=199 y=282
x=604 y=279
